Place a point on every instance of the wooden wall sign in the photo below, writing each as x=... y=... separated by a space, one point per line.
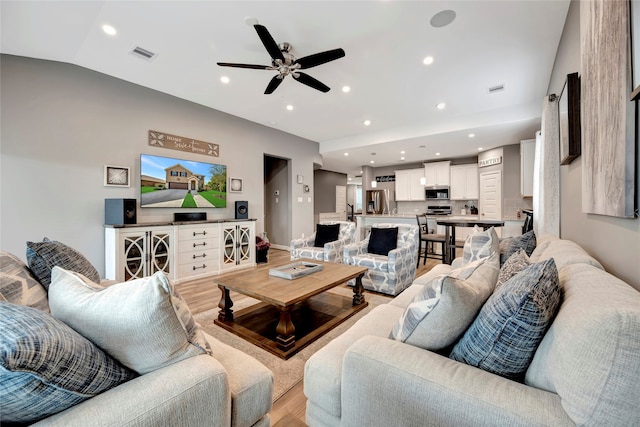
x=182 y=143
x=490 y=162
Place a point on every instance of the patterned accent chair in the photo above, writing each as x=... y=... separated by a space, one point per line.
x=332 y=251
x=389 y=274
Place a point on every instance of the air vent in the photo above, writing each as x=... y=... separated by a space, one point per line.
x=498 y=88
x=143 y=53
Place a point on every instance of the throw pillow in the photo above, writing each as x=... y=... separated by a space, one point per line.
x=48 y=367
x=144 y=323
x=382 y=240
x=18 y=286
x=440 y=313
x=43 y=256
x=511 y=245
x=514 y=265
x=511 y=324
x=326 y=233
x=480 y=244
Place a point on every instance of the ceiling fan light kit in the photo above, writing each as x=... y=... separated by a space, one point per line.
x=286 y=63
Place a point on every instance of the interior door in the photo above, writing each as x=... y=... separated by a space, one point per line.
x=491 y=195
x=341 y=201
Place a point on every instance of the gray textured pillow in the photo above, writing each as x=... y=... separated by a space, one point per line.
x=442 y=311
x=480 y=244
x=514 y=265
x=144 y=323
x=48 y=367
x=18 y=286
x=504 y=337
x=43 y=256
x=511 y=245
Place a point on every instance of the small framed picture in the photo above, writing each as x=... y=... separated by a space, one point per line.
x=116 y=176
x=235 y=185
x=300 y=179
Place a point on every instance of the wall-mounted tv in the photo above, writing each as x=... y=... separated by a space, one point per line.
x=167 y=182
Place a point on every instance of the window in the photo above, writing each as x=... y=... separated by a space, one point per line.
x=174 y=173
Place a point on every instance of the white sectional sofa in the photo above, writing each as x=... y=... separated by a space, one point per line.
x=585 y=371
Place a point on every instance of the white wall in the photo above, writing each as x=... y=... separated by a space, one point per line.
x=615 y=242
x=61 y=124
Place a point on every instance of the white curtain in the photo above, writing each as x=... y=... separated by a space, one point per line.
x=546 y=172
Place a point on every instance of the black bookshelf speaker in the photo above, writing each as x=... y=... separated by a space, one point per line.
x=119 y=211
x=242 y=209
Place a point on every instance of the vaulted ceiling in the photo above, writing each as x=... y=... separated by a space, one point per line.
x=489 y=44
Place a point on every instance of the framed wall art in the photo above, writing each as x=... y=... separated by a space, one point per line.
x=569 y=119
x=634 y=17
x=235 y=185
x=116 y=176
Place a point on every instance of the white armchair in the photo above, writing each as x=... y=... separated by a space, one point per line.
x=389 y=274
x=332 y=251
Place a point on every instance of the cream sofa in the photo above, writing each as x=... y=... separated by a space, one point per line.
x=229 y=388
x=584 y=372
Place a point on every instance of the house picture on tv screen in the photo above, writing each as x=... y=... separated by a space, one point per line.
x=173 y=183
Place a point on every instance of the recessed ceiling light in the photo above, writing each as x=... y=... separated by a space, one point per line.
x=402 y=152
x=443 y=18
x=441 y=106
x=372 y=161
x=472 y=135
x=360 y=172
x=480 y=148
x=224 y=79
x=428 y=60
x=367 y=122
x=109 y=29
x=401 y=158
x=349 y=178
x=346 y=89
x=437 y=154
x=346 y=154
x=289 y=107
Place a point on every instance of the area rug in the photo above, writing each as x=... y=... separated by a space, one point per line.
x=287 y=373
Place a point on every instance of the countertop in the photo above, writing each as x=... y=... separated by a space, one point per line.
x=434 y=217
x=165 y=223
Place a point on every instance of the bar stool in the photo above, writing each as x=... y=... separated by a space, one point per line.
x=429 y=238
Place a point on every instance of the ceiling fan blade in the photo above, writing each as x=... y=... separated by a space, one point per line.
x=273 y=84
x=311 y=82
x=320 y=58
x=250 y=66
x=268 y=42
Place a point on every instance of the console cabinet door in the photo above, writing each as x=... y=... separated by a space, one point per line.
x=136 y=253
x=237 y=245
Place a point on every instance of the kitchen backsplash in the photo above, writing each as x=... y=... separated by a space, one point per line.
x=510 y=206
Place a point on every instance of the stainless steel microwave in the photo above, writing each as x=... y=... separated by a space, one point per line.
x=441 y=193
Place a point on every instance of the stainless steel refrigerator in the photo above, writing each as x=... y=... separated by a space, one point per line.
x=377 y=201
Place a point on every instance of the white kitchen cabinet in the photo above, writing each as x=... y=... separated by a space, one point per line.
x=464 y=182
x=132 y=253
x=408 y=186
x=437 y=173
x=527 y=158
x=237 y=245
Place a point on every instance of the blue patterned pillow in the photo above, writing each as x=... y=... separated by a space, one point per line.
x=47 y=367
x=480 y=244
x=511 y=245
x=505 y=335
x=43 y=256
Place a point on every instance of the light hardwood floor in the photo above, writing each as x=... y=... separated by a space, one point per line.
x=202 y=295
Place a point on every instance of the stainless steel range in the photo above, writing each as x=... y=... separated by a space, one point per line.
x=438 y=210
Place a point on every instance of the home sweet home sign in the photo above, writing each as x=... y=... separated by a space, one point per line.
x=182 y=143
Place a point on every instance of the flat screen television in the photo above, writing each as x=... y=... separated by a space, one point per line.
x=167 y=182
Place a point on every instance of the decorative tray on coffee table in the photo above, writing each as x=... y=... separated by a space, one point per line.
x=295 y=270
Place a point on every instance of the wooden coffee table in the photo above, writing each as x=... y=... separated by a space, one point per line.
x=292 y=313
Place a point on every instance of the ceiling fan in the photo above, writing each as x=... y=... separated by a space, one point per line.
x=286 y=64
